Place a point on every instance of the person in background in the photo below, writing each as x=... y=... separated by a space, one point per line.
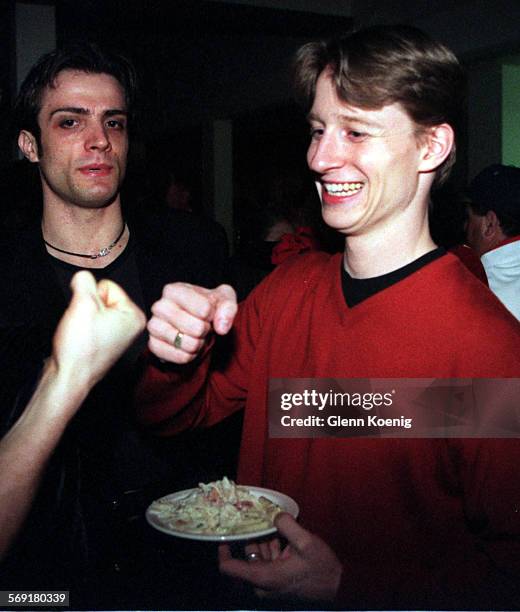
x=272 y=226
x=179 y=194
x=384 y=523
x=267 y=238
x=448 y=218
x=493 y=230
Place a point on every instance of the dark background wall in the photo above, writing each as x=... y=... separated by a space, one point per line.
x=202 y=61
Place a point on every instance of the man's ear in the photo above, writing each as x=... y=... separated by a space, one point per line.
x=437 y=142
x=491 y=225
x=28 y=146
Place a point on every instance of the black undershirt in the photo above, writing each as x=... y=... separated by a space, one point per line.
x=123 y=271
x=356 y=290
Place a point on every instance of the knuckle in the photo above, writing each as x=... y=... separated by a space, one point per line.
x=183 y=356
x=199 y=345
x=158 y=308
x=226 y=292
x=165 y=310
x=306 y=545
x=205 y=308
x=171 y=289
x=156 y=347
x=191 y=345
x=178 y=293
x=200 y=328
x=153 y=325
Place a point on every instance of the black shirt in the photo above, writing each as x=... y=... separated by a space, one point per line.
x=356 y=290
x=123 y=271
x=69 y=539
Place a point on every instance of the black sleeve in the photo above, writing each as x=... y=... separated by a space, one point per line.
x=20 y=364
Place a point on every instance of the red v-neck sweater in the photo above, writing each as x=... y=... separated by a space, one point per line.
x=417 y=523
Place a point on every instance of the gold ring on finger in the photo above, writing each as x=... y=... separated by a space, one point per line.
x=177 y=343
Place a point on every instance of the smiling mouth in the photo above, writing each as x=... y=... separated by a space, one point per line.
x=342 y=190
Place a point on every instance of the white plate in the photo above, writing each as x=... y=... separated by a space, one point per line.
x=284 y=501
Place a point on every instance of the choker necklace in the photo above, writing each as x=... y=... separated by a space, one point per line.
x=101 y=253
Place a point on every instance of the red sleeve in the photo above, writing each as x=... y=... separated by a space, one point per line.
x=166 y=391
x=171 y=398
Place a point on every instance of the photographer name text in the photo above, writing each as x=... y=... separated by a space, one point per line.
x=320 y=401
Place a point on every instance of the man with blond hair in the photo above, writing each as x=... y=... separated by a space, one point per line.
x=384 y=523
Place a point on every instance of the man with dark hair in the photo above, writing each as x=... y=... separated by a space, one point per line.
x=493 y=230
x=83 y=533
x=384 y=523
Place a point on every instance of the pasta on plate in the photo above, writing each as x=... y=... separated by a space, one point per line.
x=218 y=508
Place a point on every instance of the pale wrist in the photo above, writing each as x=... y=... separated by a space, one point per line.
x=55 y=400
x=61 y=389
x=62 y=379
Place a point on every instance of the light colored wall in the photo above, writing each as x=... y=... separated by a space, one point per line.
x=218 y=173
x=511 y=114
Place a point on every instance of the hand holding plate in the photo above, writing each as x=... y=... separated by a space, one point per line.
x=306 y=569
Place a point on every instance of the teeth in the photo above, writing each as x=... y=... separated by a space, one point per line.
x=343 y=188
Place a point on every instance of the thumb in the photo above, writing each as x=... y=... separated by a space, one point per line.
x=225 y=302
x=112 y=294
x=296 y=535
x=84 y=287
x=113 y=297
x=83 y=281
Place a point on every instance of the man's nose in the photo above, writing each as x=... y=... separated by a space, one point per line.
x=326 y=154
x=97 y=138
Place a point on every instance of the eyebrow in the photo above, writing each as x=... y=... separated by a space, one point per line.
x=359 y=120
x=84 y=111
x=312 y=117
x=344 y=118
